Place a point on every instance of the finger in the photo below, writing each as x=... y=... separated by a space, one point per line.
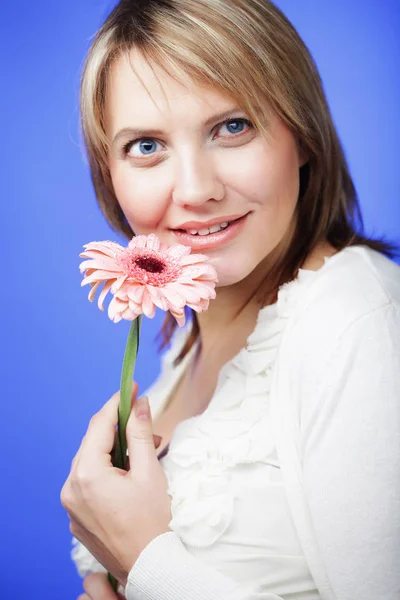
x=77 y=455
x=99 y=440
x=157 y=439
x=139 y=435
x=97 y=586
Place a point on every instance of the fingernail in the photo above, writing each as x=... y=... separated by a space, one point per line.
x=142 y=409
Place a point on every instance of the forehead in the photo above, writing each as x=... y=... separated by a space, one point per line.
x=139 y=90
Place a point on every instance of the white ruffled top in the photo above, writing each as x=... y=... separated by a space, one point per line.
x=228 y=500
x=239 y=514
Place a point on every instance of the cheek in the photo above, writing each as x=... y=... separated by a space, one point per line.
x=263 y=173
x=142 y=197
x=275 y=184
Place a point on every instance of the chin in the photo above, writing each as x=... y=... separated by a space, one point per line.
x=231 y=274
x=241 y=267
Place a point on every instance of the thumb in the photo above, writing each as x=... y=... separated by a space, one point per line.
x=139 y=432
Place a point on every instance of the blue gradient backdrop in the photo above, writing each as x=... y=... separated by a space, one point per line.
x=61 y=357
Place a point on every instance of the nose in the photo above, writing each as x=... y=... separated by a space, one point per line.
x=196 y=181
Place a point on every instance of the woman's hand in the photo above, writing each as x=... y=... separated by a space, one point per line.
x=116 y=513
x=97 y=587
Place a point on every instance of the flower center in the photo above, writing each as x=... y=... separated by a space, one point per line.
x=148 y=267
x=150 y=264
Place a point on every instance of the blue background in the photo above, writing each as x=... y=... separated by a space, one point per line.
x=61 y=357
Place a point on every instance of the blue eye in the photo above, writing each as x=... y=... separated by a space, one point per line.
x=145 y=146
x=236 y=125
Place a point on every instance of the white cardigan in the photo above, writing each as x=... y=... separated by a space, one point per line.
x=335 y=407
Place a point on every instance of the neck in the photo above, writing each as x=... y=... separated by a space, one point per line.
x=233 y=312
x=232 y=316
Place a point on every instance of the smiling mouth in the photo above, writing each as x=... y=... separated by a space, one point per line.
x=209 y=230
x=212 y=237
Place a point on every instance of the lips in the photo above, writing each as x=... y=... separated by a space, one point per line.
x=198 y=225
x=211 y=240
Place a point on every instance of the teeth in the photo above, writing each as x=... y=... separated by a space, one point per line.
x=206 y=231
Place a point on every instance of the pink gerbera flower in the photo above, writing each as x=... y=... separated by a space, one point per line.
x=148 y=274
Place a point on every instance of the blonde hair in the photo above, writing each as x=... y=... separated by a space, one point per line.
x=250 y=50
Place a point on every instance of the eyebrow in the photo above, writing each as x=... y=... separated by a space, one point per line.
x=142 y=133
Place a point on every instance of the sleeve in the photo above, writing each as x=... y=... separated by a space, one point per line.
x=166 y=570
x=350 y=440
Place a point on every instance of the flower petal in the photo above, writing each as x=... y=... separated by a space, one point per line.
x=178 y=251
x=200 y=271
x=205 y=289
x=191 y=259
x=175 y=300
x=118 y=284
x=130 y=314
x=93 y=291
x=115 y=308
x=108 y=248
x=99 y=276
x=122 y=295
x=190 y=293
x=139 y=286
x=103 y=294
x=102 y=263
x=179 y=317
x=199 y=306
x=158 y=297
x=139 y=241
x=136 y=308
x=135 y=292
x=153 y=243
x=148 y=305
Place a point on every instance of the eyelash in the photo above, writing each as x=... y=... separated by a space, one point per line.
x=128 y=145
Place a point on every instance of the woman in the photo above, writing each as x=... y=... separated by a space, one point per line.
x=277 y=475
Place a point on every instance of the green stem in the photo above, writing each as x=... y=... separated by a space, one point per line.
x=119 y=458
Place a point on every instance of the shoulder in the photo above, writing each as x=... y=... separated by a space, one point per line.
x=342 y=345
x=353 y=284
x=348 y=312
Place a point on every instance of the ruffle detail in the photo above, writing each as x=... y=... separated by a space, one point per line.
x=234 y=430
x=84 y=561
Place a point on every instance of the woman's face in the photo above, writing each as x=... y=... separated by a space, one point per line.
x=184 y=161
